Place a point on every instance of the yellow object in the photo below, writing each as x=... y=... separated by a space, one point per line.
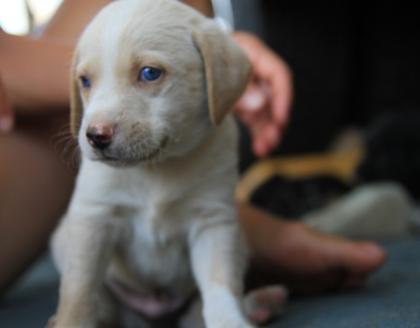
x=339 y=164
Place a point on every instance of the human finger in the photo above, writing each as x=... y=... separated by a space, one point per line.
x=277 y=79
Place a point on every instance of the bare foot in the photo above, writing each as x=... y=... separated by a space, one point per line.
x=303 y=259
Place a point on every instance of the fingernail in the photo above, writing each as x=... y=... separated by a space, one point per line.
x=260 y=149
x=254 y=100
x=272 y=133
x=6 y=124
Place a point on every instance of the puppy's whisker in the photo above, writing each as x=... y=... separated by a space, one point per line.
x=65 y=132
x=75 y=158
x=64 y=144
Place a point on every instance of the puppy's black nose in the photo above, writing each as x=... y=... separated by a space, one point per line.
x=100 y=136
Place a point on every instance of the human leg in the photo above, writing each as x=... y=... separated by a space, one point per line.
x=35 y=185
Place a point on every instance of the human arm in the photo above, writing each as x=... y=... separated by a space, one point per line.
x=35 y=70
x=203 y=6
x=71 y=18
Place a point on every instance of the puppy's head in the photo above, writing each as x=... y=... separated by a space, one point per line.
x=149 y=79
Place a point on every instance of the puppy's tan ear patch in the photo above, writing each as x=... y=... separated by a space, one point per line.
x=76 y=105
x=227 y=69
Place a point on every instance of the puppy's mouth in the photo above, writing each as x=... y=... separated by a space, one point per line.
x=127 y=156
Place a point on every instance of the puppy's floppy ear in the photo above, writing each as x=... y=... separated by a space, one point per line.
x=227 y=69
x=76 y=105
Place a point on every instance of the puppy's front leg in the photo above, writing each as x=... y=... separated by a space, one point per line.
x=218 y=263
x=82 y=247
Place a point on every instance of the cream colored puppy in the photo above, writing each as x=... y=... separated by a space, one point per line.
x=153 y=214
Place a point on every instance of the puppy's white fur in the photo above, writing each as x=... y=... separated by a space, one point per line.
x=154 y=212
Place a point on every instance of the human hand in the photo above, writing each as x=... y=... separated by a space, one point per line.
x=6 y=112
x=265 y=105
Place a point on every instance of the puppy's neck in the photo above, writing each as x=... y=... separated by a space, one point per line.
x=219 y=142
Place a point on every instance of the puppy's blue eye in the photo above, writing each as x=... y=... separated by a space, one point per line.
x=149 y=74
x=85 y=82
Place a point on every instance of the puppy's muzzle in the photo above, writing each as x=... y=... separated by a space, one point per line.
x=100 y=136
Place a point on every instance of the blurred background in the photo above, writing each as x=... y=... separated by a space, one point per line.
x=21 y=16
x=349 y=163
x=359 y=79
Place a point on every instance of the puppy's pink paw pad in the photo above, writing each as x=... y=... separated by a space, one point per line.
x=265 y=304
x=50 y=323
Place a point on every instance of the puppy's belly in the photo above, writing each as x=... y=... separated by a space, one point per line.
x=151 y=278
x=150 y=304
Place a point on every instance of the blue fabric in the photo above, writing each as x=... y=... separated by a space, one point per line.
x=33 y=300
x=391 y=299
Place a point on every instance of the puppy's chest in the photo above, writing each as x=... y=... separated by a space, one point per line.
x=158 y=221
x=155 y=236
x=152 y=258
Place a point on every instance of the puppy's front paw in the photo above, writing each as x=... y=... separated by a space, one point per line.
x=265 y=304
x=56 y=323
x=229 y=323
x=51 y=322
x=223 y=310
